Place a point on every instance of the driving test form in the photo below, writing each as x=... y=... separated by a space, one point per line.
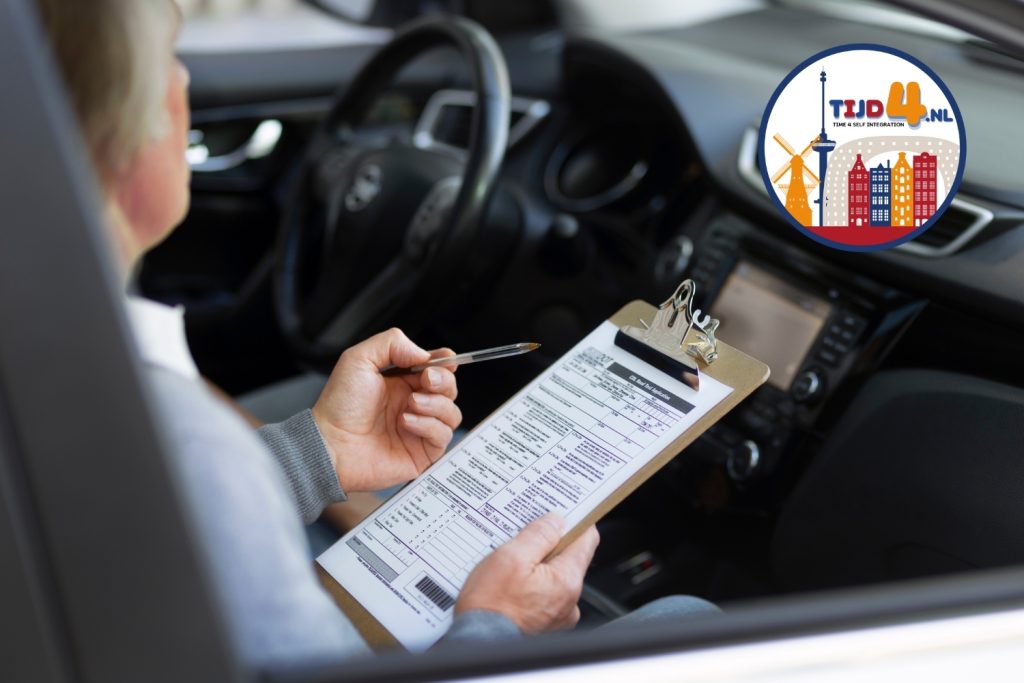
x=564 y=443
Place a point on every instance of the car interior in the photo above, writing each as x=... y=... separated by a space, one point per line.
x=629 y=166
x=887 y=446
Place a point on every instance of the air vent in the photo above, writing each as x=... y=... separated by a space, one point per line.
x=952 y=224
x=959 y=225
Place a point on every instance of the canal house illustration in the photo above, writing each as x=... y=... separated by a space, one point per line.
x=900 y=195
x=858 y=193
x=924 y=187
x=880 y=194
x=896 y=195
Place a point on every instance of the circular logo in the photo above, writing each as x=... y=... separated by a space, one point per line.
x=364 y=189
x=862 y=147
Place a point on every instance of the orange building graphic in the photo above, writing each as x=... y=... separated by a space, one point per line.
x=902 y=204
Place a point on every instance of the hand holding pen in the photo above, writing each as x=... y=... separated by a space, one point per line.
x=464 y=358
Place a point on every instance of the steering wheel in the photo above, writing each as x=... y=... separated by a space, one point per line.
x=371 y=233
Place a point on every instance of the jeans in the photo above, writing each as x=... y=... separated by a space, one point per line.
x=670 y=607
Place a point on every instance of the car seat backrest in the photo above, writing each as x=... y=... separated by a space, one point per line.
x=98 y=571
x=923 y=475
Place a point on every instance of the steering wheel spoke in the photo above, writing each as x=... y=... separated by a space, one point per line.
x=370 y=308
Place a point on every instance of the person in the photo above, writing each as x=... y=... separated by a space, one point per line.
x=248 y=492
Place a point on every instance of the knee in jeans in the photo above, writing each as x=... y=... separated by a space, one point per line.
x=677 y=606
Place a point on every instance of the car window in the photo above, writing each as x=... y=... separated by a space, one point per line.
x=646 y=14
x=213 y=26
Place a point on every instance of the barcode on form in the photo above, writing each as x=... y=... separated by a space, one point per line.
x=435 y=593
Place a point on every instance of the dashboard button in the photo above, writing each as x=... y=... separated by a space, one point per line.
x=828 y=357
x=743 y=460
x=851 y=321
x=808 y=386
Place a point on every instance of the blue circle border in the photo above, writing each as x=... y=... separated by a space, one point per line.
x=849 y=47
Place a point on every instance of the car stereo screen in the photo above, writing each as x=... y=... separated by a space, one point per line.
x=769 y=319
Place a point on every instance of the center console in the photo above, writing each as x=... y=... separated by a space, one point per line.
x=816 y=326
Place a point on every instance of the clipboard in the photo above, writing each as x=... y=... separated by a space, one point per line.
x=676 y=339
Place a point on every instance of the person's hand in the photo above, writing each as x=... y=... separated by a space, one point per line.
x=516 y=581
x=382 y=431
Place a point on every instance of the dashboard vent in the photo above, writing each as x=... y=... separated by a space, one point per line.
x=948 y=228
x=961 y=223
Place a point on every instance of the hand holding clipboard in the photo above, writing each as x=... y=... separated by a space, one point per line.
x=576 y=440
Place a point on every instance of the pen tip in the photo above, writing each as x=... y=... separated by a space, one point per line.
x=532 y=346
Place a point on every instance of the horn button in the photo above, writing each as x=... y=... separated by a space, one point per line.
x=391 y=200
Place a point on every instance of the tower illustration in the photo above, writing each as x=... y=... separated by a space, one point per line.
x=823 y=146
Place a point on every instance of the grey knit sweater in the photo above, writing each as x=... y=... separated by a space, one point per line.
x=248 y=495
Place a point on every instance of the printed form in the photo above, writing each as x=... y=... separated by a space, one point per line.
x=564 y=443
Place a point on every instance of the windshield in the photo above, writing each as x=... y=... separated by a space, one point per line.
x=614 y=15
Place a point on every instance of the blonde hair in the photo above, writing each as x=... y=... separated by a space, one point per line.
x=114 y=56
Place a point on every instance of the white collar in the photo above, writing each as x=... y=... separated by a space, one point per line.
x=160 y=335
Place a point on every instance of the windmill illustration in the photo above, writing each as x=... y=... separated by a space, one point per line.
x=796 y=189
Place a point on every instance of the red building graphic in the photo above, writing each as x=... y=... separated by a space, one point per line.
x=924 y=187
x=858 y=194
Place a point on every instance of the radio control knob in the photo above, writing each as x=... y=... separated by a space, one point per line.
x=808 y=385
x=743 y=460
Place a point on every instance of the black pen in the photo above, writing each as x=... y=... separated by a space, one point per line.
x=464 y=358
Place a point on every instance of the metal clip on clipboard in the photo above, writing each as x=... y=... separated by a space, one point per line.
x=664 y=343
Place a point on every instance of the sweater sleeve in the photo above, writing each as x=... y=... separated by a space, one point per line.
x=248 y=533
x=299 y=449
x=479 y=626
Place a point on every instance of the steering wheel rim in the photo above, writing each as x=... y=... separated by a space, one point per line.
x=365 y=311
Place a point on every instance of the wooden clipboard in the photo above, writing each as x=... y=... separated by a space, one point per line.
x=732 y=367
